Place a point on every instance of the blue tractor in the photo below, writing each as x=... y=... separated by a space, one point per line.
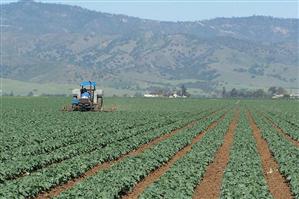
x=87 y=98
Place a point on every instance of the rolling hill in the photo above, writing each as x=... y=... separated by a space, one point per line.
x=60 y=44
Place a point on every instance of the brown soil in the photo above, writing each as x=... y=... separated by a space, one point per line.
x=276 y=182
x=210 y=185
x=156 y=174
x=112 y=109
x=282 y=132
x=48 y=165
x=59 y=161
x=60 y=188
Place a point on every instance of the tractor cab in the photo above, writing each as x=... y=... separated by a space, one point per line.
x=87 y=90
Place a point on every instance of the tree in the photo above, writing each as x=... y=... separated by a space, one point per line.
x=234 y=93
x=260 y=93
x=30 y=94
x=272 y=90
x=281 y=91
x=184 y=90
x=223 y=92
x=138 y=94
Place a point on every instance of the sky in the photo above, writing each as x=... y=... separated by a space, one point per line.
x=188 y=10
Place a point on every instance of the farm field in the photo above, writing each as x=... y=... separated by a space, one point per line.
x=150 y=148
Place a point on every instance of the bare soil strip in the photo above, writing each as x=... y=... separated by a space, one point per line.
x=67 y=158
x=71 y=183
x=276 y=182
x=209 y=187
x=156 y=174
x=282 y=132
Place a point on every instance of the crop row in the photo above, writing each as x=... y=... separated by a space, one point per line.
x=291 y=118
x=39 y=127
x=22 y=164
x=285 y=153
x=26 y=121
x=43 y=138
x=77 y=135
x=183 y=176
x=283 y=109
x=291 y=130
x=122 y=176
x=46 y=178
x=243 y=177
x=28 y=163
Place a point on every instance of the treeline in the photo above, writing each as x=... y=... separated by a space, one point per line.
x=30 y=94
x=49 y=95
x=8 y=94
x=166 y=91
x=258 y=93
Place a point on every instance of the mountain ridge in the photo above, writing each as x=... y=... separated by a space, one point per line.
x=65 y=44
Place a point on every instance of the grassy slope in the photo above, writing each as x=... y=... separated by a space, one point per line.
x=23 y=88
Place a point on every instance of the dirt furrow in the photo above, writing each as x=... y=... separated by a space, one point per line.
x=70 y=157
x=156 y=174
x=64 y=159
x=282 y=132
x=276 y=182
x=59 y=189
x=209 y=187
